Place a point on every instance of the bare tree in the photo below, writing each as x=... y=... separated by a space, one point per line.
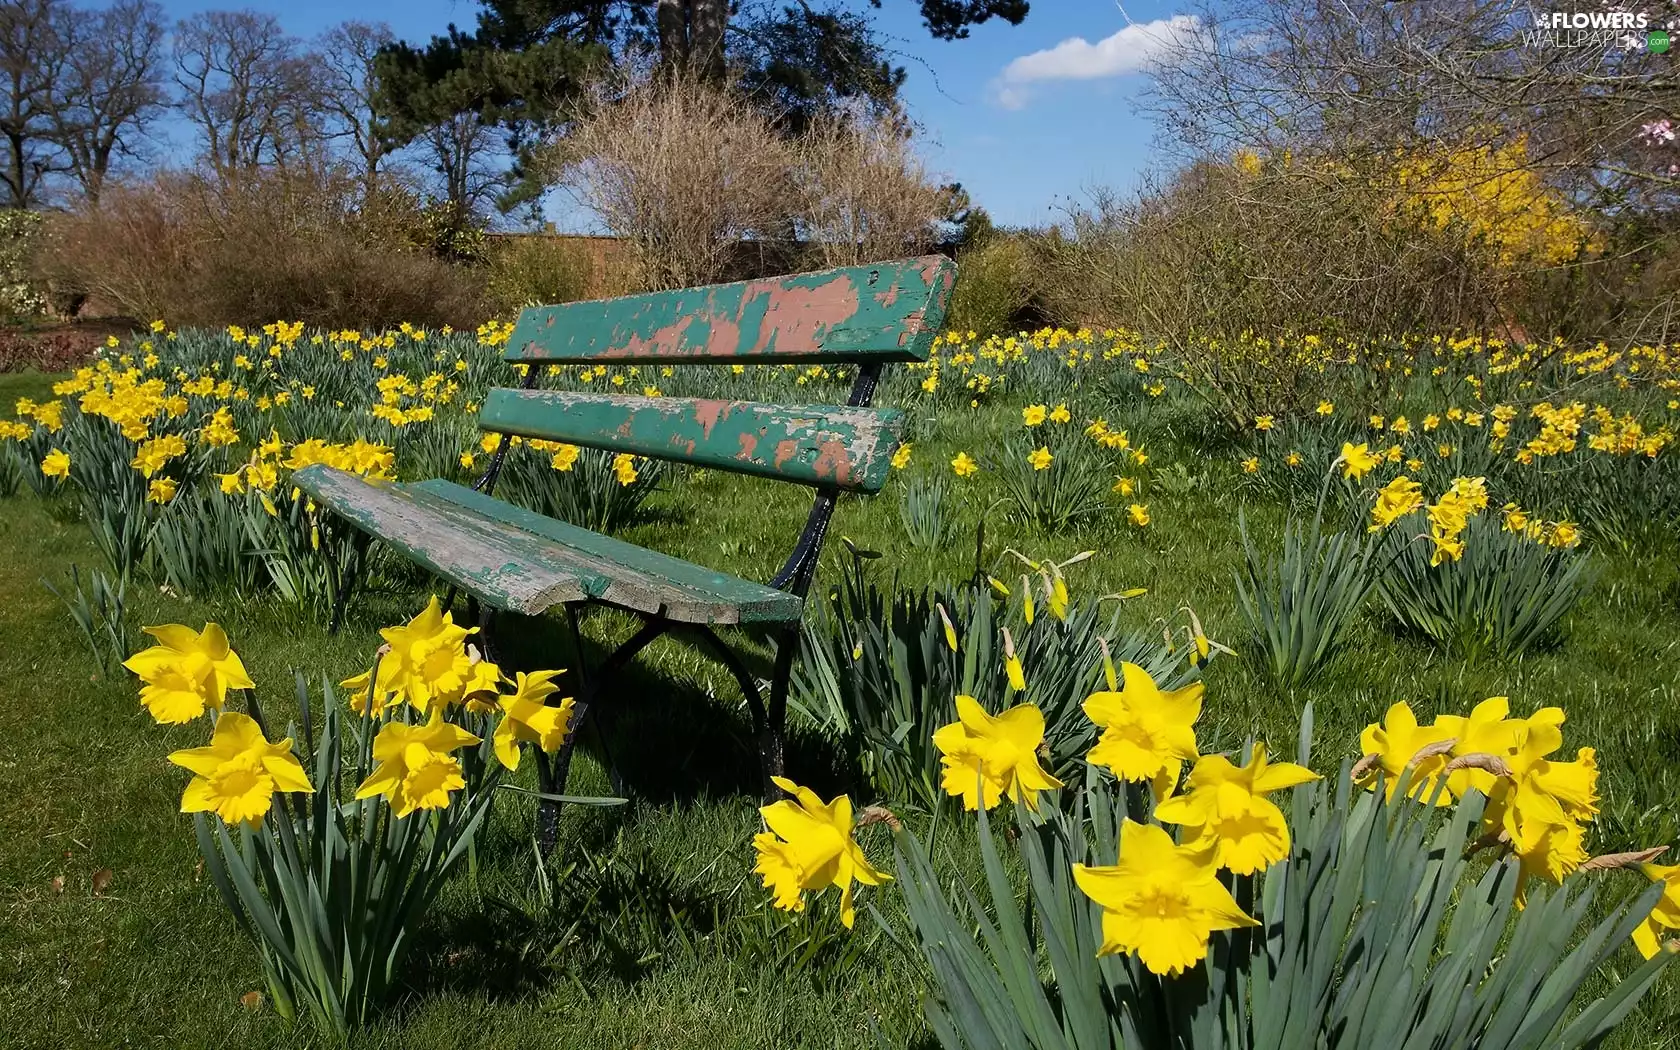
x=348 y=86
x=248 y=90
x=865 y=194
x=684 y=171
x=1360 y=78
x=109 y=87
x=458 y=151
x=33 y=51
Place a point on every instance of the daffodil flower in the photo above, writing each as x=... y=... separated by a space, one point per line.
x=1147 y=733
x=527 y=717
x=1396 y=742
x=189 y=671
x=1161 y=901
x=236 y=777
x=428 y=657
x=1666 y=915
x=810 y=847
x=1226 y=804
x=985 y=757
x=416 y=769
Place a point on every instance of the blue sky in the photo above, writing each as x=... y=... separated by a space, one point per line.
x=1025 y=117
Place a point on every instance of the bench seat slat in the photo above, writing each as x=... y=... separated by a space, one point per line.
x=882 y=312
x=504 y=570
x=848 y=448
x=518 y=560
x=636 y=577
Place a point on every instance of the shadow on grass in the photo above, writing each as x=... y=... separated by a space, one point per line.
x=668 y=739
x=607 y=906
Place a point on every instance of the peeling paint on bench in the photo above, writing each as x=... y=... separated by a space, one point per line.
x=883 y=312
x=848 y=448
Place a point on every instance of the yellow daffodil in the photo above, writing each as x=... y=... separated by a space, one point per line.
x=1487 y=730
x=416 y=769
x=1395 y=500
x=482 y=689
x=1033 y=415
x=1147 y=733
x=1060 y=414
x=1358 y=460
x=161 y=490
x=1395 y=742
x=528 y=718
x=624 y=468
x=1139 y=514
x=901 y=457
x=1251 y=465
x=1647 y=936
x=810 y=847
x=237 y=776
x=964 y=466
x=565 y=457
x=1162 y=901
x=427 y=658
x=189 y=671
x=1227 y=805
x=56 y=464
x=1040 y=458
x=985 y=757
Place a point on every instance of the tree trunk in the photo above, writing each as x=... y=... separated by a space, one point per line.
x=691 y=37
x=706 y=22
x=672 y=22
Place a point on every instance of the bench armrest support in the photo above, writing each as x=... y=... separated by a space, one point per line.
x=801 y=566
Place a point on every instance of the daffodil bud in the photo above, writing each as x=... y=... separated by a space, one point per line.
x=950 y=631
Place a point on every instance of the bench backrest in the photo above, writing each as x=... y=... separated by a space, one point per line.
x=867 y=315
x=884 y=312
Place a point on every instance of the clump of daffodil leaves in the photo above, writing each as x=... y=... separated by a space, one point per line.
x=1215 y=820
x=441 y=725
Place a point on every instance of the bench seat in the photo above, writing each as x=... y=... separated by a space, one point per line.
x=517 y=560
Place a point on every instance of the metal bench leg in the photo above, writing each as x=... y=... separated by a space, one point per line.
x=346 y=582
x=772 y=745
x=552 y=773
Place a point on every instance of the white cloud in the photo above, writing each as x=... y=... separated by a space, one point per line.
x=1127 y=51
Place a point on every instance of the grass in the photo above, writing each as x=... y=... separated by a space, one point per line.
x=658 y=934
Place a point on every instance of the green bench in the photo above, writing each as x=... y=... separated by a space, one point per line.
x=514 y=560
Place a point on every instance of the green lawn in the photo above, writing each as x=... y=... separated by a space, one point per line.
x=659 y=935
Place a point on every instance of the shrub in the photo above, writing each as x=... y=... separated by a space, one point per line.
x=879 y=672
x=684 y=172
x=535 y=270
x=330 y=854
x=297 y=244
x=996 y=289
x=925 y=510
x=1056 y=477
x=1505 y=593
x=582 y=486
x=864 y=194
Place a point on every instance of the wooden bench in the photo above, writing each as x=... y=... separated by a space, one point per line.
x=512 y=559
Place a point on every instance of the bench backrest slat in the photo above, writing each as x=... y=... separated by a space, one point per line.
x=848 y=448
x=882 y=312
